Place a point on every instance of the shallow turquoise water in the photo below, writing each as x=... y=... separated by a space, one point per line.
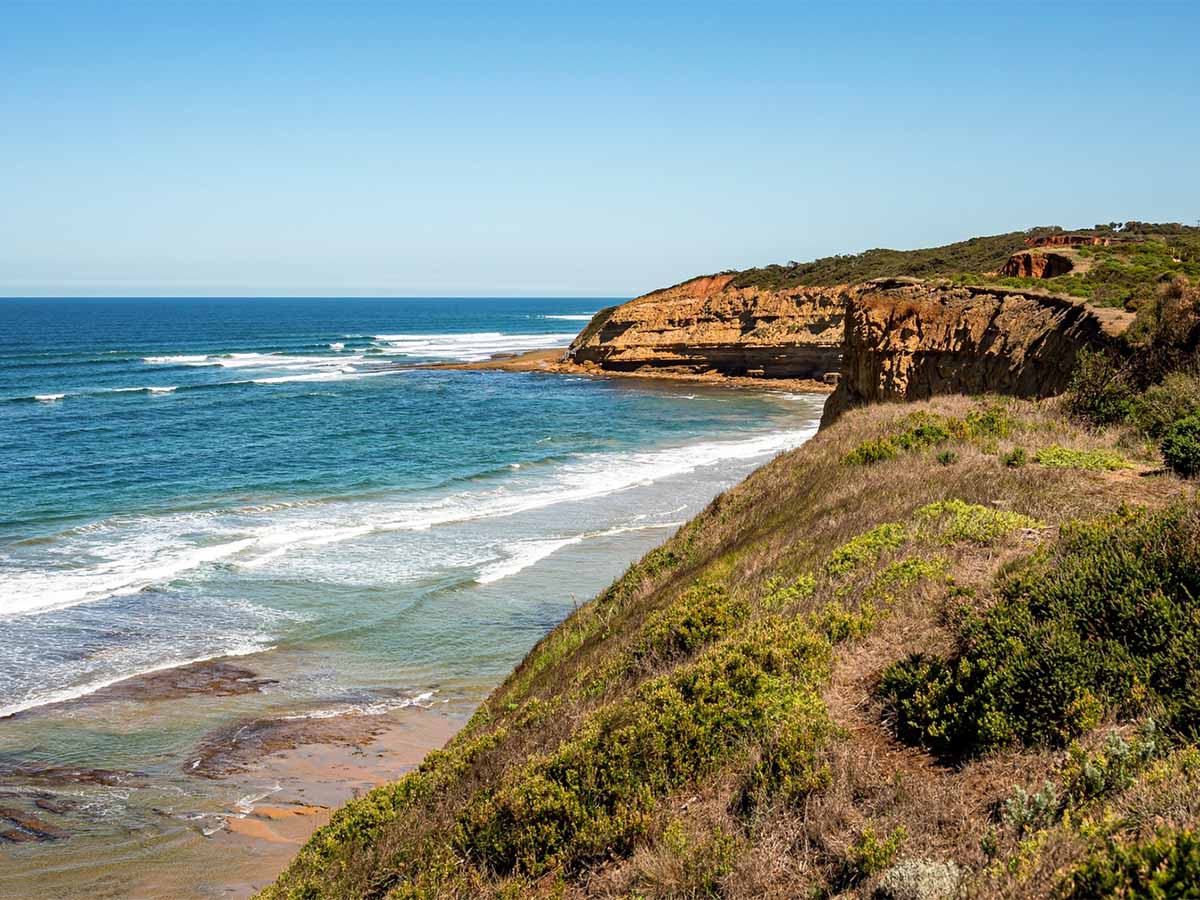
x=264 y=479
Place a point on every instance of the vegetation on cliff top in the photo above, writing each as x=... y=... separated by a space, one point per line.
x=1124 y=273
x=740 y=714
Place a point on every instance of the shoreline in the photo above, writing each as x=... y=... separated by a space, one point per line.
x=551 y=362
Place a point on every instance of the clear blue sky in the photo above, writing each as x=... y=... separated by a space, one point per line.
x=566 y=148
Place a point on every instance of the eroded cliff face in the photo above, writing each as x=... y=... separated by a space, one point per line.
x=708 y=326
x=907 y=340
x=1037 y=265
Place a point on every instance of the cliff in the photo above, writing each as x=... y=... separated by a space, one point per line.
x=945 y=649
x=884 y=666
x=907 y=340
x=708 y=325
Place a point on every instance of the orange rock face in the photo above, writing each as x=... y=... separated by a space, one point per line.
x=1037 y=265
x=907 y=340
x=706 y=325
x=1069 y=240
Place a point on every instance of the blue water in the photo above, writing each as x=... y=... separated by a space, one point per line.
x=189 y=479
x=274 y=482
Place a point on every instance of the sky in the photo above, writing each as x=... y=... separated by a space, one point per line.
x=565 y=149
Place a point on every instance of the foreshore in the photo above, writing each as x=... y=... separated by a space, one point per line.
x=552 y=361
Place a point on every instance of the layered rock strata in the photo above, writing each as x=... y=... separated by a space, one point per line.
x=907 y=340
x=707 y=325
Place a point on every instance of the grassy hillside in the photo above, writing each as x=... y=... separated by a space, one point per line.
x=1124 y=274
x=950 y=648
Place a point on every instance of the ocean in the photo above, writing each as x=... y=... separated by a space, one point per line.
x=272 y=482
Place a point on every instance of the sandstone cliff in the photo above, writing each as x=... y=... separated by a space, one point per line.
x=1037 y=265
x=907 y=340
x=708 y=325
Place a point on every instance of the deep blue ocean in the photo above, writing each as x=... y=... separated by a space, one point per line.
x=272 y=481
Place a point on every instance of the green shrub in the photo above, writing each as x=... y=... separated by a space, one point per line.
x=778 y=593
x=1014 y=458
x=957 y=520
x=1162 y=405
x=1111 y=769
x=865 y=547
x=991 y=421
x=924 y=430
x=1024 y=812
x=872 y=451
x=868 y=855
x=1100 y=392
x=1102 y=622
x=596 y=793
x=1166 y=866
x=704 y=613
x=1057 y=457
x=1181 y=447
x=947 y=457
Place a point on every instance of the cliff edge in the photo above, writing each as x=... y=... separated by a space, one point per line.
x=709 y=325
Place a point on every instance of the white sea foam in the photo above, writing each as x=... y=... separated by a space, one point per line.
x=134 y=565
x=470 y=347
x=125 y=555
x=74 y=692
x=337 y=345
x=369 y=708
x=523 y=554
x=586 y=317
x=200 y=359
x=170 y=389
x=48 y=398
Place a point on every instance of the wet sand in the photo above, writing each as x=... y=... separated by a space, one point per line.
x=320 y=770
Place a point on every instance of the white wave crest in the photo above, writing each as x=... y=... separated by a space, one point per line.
x=48 y=398
x=124 y=555
x=524 y=554
x=586 y=317
x=470 y=347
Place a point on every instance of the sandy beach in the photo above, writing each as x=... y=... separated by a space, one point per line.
x=315 y=770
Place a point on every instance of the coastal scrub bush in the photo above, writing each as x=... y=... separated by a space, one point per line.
x=1102 y=622
x=1167 y=865
x=920 y=879
x=704 y=613
x=872 y=451
x=1181 y=447
x=596 y=793
x=778 y=593
x=947 y=458
x=1113 y=768
x=865 y=547
x=868 y=855
x=1058 y=457
x=1162 y=405
x=1024 y=812
x=1014 y=458
x=1100 y=391
x=956 y=520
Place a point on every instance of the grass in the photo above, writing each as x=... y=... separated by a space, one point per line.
x=1124 y=274
x=709 y=725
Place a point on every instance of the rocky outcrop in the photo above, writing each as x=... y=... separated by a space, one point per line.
x=907 y=340
x=1070 y=240
x=1037 y=265
x=707 y=325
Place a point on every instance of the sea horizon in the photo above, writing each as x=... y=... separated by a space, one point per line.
x=222 y=514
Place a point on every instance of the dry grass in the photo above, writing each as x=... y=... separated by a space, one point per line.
x=780 y=524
